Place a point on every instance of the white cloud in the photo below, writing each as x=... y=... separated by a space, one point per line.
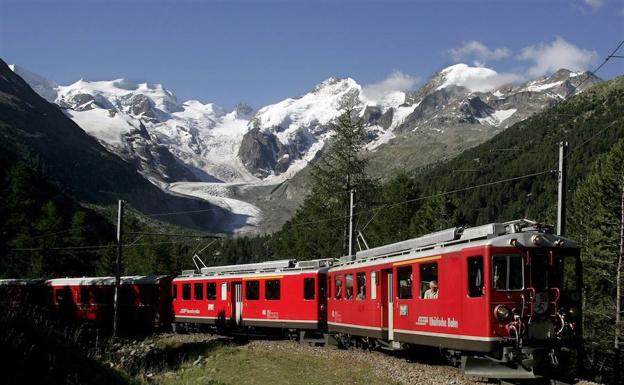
x=396 y=81
x=594 y=4
x=479 y=50
x=559 y=54
x=478 y=79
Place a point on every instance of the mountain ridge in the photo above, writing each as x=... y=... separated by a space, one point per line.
x=230 y=158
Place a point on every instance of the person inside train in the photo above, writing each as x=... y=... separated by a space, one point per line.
x=432 y=292
x=339 y=292
x=349 y=293
x=361 y=294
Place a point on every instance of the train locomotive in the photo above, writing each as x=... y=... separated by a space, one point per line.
x=502 y=299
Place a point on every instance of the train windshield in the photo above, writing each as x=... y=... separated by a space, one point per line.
x=539 y=271
x=507 y=272
x=568 y=265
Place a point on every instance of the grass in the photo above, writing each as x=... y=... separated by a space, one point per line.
x=241 y=365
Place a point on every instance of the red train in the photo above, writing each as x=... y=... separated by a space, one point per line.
x=504 y=298
x=279 y=294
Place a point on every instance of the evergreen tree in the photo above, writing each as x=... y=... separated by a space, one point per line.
x=319 y=228
x=437 y=213
x=392 y=223
x=595 y=223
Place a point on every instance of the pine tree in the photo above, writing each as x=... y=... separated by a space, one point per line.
x=392 y=223
x=596 y=224
x=437 y=213
x=319 y=228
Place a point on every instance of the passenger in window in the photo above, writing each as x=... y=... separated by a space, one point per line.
x=349 y=293
x=361 y=293
x=432 y=292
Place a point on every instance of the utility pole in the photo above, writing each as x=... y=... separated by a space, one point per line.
x=561 y=196
x=352 y=192
x=118 y=267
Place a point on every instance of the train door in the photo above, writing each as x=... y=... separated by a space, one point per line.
x=237 y=302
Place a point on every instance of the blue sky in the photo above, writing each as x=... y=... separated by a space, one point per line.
x=260 y=52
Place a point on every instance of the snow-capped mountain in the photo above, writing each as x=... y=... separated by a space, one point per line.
x=170 y=141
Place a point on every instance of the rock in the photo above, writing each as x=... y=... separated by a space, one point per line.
x=198 y=361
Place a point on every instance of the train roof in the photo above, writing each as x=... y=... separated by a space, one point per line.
x=105 y=281
x=519 y=233
x=279 y=266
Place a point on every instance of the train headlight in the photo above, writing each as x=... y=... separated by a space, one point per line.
x=573 y=312
x=502 y=313
x=537 y=239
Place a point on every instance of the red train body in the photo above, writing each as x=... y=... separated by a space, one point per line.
x=144 y=301
x=502 y=290
x=278 y=294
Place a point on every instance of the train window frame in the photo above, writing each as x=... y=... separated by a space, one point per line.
x=252 y=290
x=309 y=288
x=272 y=289
x=338 y=286
x=405 y=274
x=198 y=295
x=424 y=278
x=474 y=289
x=174 y=291
x=211 y=291
x=508 y=259
x=224 y=291
x=360 y=279
x=374 y=284
x=186 y=291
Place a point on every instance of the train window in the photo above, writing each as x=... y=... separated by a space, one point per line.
x=361 y=286
x=475 y=276
x=272 y=289
x=309 y=288
x=539 y=271
x=404 y=282
x=429 y=281
x=567 y=266
x=507 y=272
x=374 y=282
x=148 y=294
x=211 y=291
x=349 y=286
x=252 y=290
x=186 y=291
x=105 y=295
x=224 y=291
x=328 y=287
x=199 y=291
x=84 y=295
x=126 y=295
x=63 y=296
x=338 y=286
x=174 y=290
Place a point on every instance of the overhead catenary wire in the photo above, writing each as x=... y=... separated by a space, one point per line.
x=389 y=205
x=97 y=247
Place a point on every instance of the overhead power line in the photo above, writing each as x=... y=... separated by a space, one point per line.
x=394 y=204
